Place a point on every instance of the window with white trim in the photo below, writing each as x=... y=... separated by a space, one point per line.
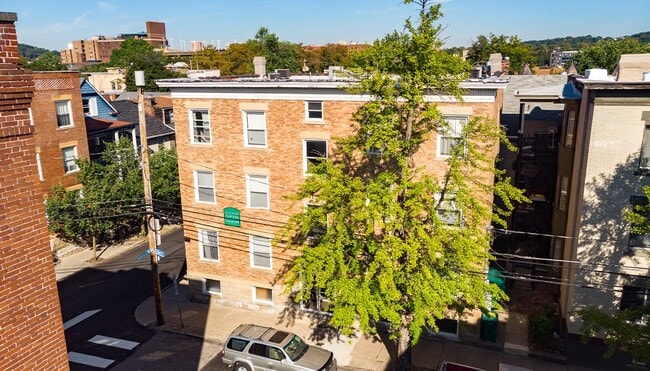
x=314 y=110
x=644 y=153
x=262 y=294
x=211 y=286
x=200 y=127
x=450 y=136
x=314 y=152
x=636 y=239
x=90 y=106
x=209 y=244
x=255 y=128
x=204 y=186
x=258 y=191
x=447 y=208
x=63 y=113
x=69 y=159
x=260 y=251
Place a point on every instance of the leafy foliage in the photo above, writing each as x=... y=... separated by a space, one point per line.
x=387 y=252
x=279 y=54
x=110 y=205
x=48 y=61
x=605 y=53
x=138 y=55
x=32 y=52
x=509 y=46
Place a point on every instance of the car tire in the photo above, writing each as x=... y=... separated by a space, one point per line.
x=241 y=367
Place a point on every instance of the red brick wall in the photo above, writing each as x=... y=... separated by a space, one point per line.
x=51 y=86
x=282 y=159
x=30 y=317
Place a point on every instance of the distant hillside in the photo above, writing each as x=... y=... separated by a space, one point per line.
x=32 y=52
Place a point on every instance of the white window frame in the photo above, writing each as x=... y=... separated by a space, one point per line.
x=305 y=155
x=309 y=111
x=90 y=106
x=198 y=186
x=39 y=166
x=258 y=184
x=258 y=300
x=209 y=292
x=202 y=234
x=247 y=138
x=254 y=241
x=207 y=126
x=65 y=106
x=74 y=158
x=449 y=204
x=456 y=125
x=569 y=128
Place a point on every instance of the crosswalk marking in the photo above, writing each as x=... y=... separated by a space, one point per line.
x=89 y=360
x=79 y=318
x=113 y=342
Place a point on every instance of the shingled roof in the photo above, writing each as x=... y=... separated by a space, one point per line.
x=128 y=111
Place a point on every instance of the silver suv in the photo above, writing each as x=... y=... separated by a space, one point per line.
x=253 y=347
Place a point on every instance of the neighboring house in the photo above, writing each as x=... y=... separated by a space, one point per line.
x=30 y=316
x=94 y=103
x=59 y=128
x=603 y=158
x=243 y=145
x=158 y=132
x=102 y=131
x=109 y=83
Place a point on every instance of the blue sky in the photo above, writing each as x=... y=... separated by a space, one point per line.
x=52 y=24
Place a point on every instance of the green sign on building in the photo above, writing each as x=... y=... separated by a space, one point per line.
x=231 y=217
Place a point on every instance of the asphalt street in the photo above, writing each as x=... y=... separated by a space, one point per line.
x=98 y=304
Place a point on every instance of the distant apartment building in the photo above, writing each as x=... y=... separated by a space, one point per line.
x=562 y=58
x=100 y=48
x=243 y=145
x=30 y=316
x=110 y=83
x=59 y=128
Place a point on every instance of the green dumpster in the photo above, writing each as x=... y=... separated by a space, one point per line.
x=489 y=322
x=495 y=276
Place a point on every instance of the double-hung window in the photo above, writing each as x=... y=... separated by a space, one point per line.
x=255 y=128
x=200 y=131
x=209 y=244
x=90 y=106
x=315 y=151
x=63 y=113
x=644 y=157
x=563 y=198
x=314 y=110
x=258 y=191
x=634 y=297
x=204 y=187
x=69 y=159
x=211 y=286
x=569 y=128
x=450 y=135
x=260 y=251
x=447 y=208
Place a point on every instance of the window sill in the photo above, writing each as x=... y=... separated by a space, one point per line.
x=201 y=144
x=203 y=259
x=72 y=172
x=262 y=268
x=65 y=127
x=314 y=122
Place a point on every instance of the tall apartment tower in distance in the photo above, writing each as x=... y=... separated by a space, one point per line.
x=31 y=328
x=156 y=34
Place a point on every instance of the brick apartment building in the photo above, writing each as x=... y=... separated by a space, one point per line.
x=243 y=146
x=30 y=317
x=59 y=128
x=100 y=48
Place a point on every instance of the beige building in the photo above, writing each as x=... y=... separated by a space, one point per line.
x=243 y=146
x=109 y=83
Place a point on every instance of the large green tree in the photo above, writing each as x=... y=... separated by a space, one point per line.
x=385 y=239
x=48 y=61
x=605 y=53
x=509 y=46
x=279 y=54
x=138 y=55
x=110 y=205
x=626 y=330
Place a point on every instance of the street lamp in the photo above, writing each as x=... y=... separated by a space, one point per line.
x=148 y=199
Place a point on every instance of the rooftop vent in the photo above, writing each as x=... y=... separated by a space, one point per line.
x=599 y=74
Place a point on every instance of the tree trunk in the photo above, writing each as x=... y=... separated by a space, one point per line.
x=404 y=348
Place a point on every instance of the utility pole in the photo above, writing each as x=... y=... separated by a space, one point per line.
x=148 y=199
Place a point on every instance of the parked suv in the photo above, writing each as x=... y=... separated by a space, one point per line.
x=253 y=347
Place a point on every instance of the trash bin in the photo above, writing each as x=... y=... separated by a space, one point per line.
x=495 y=276
x=489 y=322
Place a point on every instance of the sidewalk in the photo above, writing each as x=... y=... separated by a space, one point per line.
x=214 y=322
